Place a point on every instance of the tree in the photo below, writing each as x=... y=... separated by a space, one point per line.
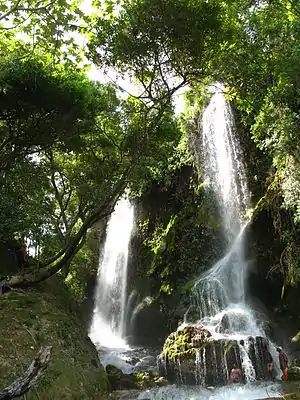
x=83 y=144
x=45 y=25
x=163 y=44
x=251 y=46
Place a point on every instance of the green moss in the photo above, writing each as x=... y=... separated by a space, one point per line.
x=178 y=344
x=47 y=316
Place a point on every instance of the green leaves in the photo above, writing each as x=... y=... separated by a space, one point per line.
x=43 y=25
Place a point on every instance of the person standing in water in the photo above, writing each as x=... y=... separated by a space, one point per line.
x=235 y=375
x=283 y=363
x=269 y=360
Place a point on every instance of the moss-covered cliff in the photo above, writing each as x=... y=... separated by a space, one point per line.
x=177 y=236
x=47 y=315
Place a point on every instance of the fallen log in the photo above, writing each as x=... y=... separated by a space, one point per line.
x=21 y=385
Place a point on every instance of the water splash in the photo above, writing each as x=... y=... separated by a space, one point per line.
x=233 y=392
x=108 y=322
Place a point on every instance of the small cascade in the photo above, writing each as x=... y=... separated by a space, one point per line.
x=108 y=322
x=246 y=362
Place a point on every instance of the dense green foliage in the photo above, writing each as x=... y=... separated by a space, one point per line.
x=69 y=149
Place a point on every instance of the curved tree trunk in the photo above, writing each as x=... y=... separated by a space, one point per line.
x=21 y=385
x=63 y=258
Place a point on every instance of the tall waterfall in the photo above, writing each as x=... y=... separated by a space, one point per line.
x=107 y=328
x=223 y=162
x=220 y=293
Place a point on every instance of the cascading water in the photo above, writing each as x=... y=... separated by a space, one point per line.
x=223 y=166
x=220 y=329
x=107 y=328
x=224 y=331
x=220 y=293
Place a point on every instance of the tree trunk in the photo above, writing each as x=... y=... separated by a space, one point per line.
x=21 y=385
x=45 y=272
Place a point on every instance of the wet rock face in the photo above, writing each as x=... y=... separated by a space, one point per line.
x=118 y=380
x=192 y=356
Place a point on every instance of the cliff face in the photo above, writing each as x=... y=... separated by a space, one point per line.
x=46 y=315
x=177 y=236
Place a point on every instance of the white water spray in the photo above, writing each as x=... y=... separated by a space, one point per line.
x=107 y=328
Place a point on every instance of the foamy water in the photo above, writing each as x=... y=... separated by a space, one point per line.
x=230 y=392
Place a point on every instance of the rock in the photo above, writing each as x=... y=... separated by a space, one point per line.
x=94 y=363
x=295 y=362
x=146 y=363
x=192 y=356
x=161 y=381
x=294 y=373
x=225 y=324
x=137 y=380
x=118 y=380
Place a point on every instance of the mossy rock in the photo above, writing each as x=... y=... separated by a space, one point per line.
x=294 y=373
x=46 y=315
x=118 y=380
x=137 y=380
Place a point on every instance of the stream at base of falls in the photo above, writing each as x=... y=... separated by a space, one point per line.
x=258 y=391
x=230 y=392
x=143 y=359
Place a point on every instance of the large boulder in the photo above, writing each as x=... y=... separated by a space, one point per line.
x=118 y=380
x=191 y=355
x=137 y=380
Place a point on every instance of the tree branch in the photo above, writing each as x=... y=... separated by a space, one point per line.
x=10 y=11
x=32 y=278
x=21 y=385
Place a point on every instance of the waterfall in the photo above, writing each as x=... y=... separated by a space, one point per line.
x=108 y=322
x=223 y=162
x=219 y=294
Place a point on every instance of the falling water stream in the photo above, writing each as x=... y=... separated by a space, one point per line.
x=108 y=321
x=220 y=293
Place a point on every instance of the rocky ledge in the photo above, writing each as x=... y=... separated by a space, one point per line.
x=192 y=356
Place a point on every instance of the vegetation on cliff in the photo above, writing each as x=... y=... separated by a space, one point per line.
x=48 y=316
